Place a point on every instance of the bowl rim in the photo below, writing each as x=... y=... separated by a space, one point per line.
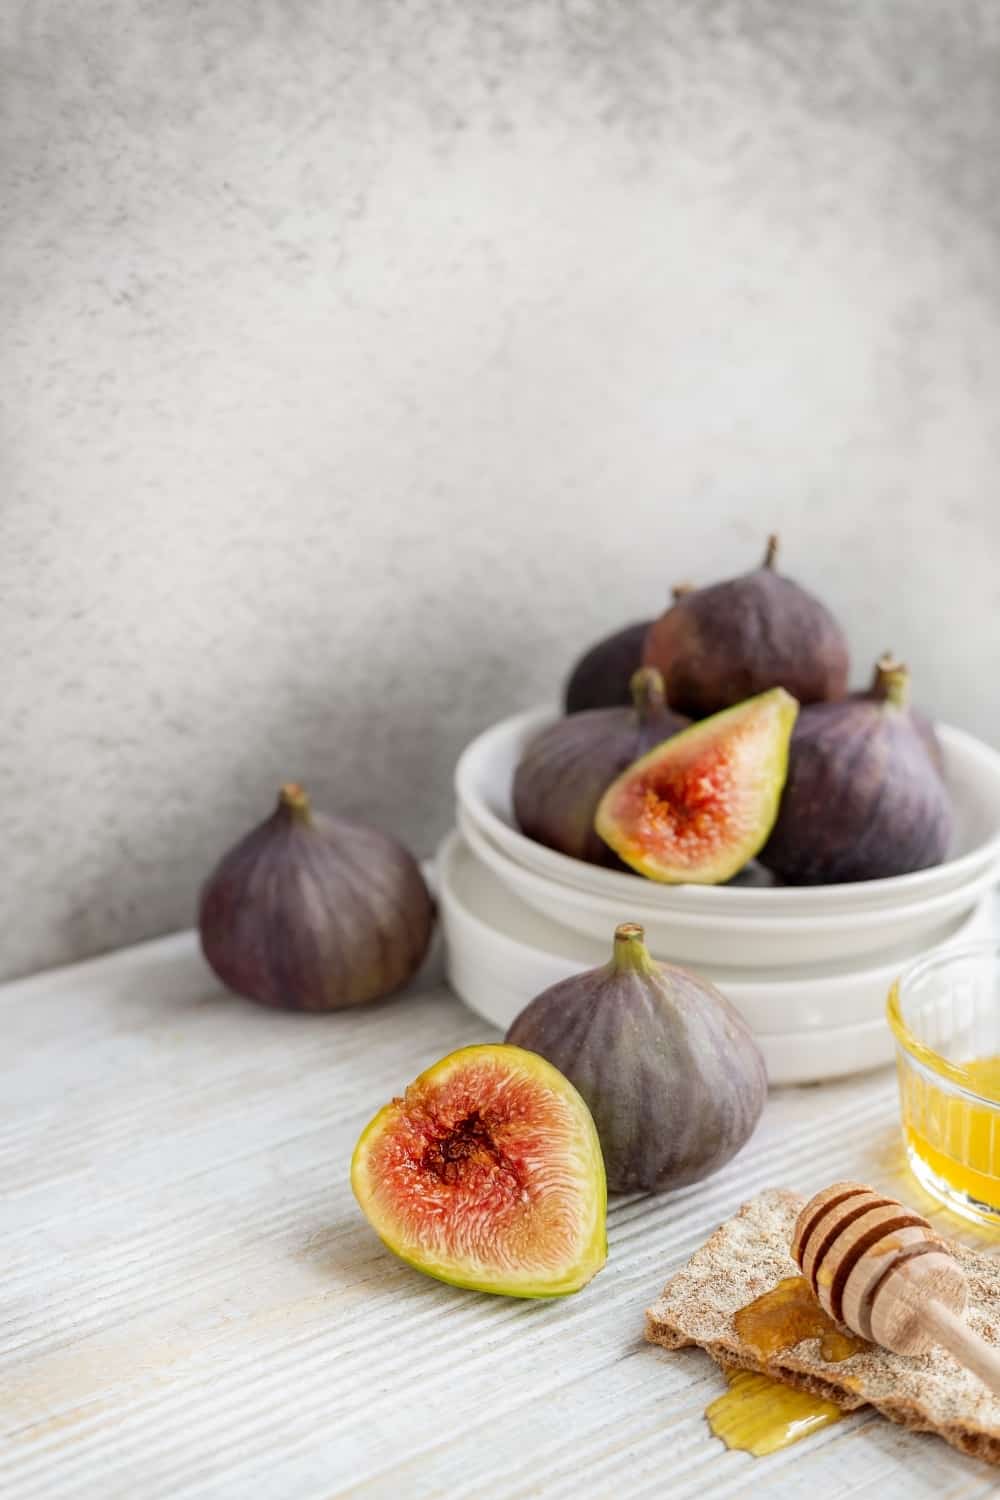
x=451 y=895
x=732 y=923
x=971 y=864
x=919 y=1052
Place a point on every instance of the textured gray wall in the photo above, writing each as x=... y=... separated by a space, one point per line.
x=362 y=360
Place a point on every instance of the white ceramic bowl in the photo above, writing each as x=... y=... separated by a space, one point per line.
x=500 y=954
x=757 y=941
x=485 y=773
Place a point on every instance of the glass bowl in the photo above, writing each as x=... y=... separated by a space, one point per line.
x=945 y=1014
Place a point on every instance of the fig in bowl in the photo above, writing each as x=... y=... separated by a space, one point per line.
x=565 y=771
x=864 y=799
x=602 y=678
x=717 y=646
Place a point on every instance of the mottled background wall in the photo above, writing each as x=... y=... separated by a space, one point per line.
x=362 y=359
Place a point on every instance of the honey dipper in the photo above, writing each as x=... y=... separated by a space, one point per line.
x=879 y=1269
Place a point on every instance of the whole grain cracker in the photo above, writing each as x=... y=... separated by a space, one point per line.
x=749 y=1254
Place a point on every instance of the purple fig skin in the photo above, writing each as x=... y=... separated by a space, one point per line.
x=671 y=1072
x=602 y=677
x=863 y=799
x=720 y=645
x=880 y=688
x=566 y=770
x=314 y=913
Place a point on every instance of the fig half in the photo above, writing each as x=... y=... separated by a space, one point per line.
x=720 y=645
x=488 y=1174
x=698 y=807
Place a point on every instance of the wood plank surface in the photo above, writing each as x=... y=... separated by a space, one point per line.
x=191 y=1304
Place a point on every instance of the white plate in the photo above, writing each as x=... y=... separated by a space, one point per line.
x=767 y=941
x=484 y=775
x=500 y=954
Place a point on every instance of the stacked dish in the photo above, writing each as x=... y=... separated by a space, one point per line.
x=809 y=966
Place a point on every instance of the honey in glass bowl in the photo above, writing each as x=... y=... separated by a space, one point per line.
x=945 y=1014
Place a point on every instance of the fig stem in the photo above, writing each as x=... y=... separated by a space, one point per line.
x=771 y=555
x=293 y=799
x=891 y=683
x=630 y=949
x=680 y=589
x=649 y=694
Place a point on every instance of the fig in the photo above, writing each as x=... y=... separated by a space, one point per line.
x=672 y=1075
x=698 y=807
x=602 y=677
x=311 y=912
x=886 y=672
x=488 y=1174
x=565 y=770
x=720 y=645
x=864 y=799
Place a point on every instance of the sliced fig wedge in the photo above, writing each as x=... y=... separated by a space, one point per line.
x=698 y=807
x=488 y=1174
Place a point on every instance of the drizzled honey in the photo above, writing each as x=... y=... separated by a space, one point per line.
x=786 y=1315
x=760 y=1415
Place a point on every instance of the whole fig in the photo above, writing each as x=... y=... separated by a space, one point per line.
x=672 y=1075
x=311 y=912
x=887 y=670
x=601 y=678
x=720 y=645
x=565 y=771
x=864 y=799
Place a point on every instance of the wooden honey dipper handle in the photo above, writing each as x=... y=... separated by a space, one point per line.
x=879 y=1269
x=909 y=1303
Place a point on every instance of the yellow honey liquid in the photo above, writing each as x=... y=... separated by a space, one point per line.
x=956 y=1138
x=761 y=1416
x=786 y=1315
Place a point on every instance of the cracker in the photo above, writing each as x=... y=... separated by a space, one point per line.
x=749 y=1254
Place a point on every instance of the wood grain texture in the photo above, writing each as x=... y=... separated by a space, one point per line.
x=192 y=1307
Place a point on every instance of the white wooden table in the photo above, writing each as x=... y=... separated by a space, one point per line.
x=191 y=1303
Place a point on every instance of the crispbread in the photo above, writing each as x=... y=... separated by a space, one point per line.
x=750 y=1253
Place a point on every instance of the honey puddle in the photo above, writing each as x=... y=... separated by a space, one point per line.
x=761 y=1415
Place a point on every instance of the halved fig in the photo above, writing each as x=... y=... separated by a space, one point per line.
x=488 y=1174
x=698 y=807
